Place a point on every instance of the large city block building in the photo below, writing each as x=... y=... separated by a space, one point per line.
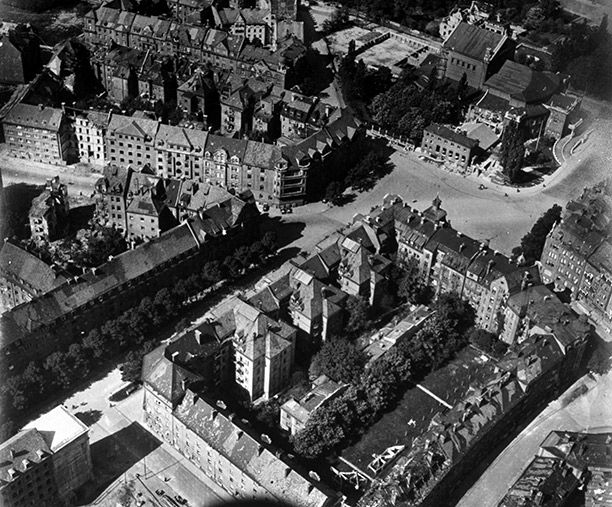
x=454 y=149
x=476 y=52
x=67 y=313
x=46 y=462
x=39 y=133
x=577 y=253
x=450 y=261
x=566 y=463
x=24 y=277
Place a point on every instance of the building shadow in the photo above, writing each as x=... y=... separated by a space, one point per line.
x=114 y=455
x=286 y=232
x=80 y=217
x=17 y=202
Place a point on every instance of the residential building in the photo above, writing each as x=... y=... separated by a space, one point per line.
x=147 y=213
x=68 y=441
x=476 y=14
x=294 y=414
x=180 y=152
x=24 y=277
x=476 y=52
x=190 y=10
x=112 y=197
x=198 y=95
x=576 y=255
x=20 y=57
x=45 y=462
x=426 y=468
x=454 y=149
x=90 y=128
x=546 y=481
x=302 y=116
x=520 y=85
x=131 y=141
x=450 y=261
x=566 y=462
x=67 y=313
x=564 y=115
x=230 y=453
x=50 y=212
x=39 y=133
x=250 y=23
x=27 y=471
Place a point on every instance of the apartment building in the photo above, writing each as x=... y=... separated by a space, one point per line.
x=228 y=452
x=24 y=277
x=50 y=212
x=67 y=313
x=131 y=141
x=39 y=133
x=112 y=191
x=46 y=461
x=90 y=128
x=454 y=149
x=294 y=413
x=450 y=261
x=576 y=255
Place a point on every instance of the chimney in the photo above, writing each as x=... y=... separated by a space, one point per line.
x=462 y=247
x=174 y=356
x=198 y=336
x=13 y=453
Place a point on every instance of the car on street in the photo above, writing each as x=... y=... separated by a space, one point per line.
x=180 y=500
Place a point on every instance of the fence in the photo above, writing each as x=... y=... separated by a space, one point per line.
x=394 y=139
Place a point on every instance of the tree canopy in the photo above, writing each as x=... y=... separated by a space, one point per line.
x=532 y=243
x=339 y=360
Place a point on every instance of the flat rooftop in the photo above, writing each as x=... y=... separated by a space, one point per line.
x=58 y=427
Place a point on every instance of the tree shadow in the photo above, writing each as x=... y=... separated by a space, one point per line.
x=114 y=455
x=89 y=417
x=346 y=198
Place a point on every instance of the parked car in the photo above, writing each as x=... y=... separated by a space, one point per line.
x=180 y=500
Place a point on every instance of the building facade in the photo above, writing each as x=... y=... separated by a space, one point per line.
x=39 y=133
x=452 y=148
x=23 y=277
x=90 y=128
x=49 y=213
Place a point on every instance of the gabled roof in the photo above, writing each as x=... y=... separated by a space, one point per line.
x=523 y=83
x=21 y=266
x=474 y=41
x=47 y=118
x=278 y=477
x=188 y=138
x=130 y=126
x=17 y=451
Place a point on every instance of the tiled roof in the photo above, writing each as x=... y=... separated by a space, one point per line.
x=451 y=135
x=138 y=127
x=26 y=269
x=474 y=41
x=523 y=83
x=127 y=266
x=272 y=472
x=189 y=138
x=25 y=445
x=41 y=117
x=233 y=147
x=262 y=155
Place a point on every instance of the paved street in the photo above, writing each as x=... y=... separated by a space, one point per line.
x=123 y=450
x=572 y=412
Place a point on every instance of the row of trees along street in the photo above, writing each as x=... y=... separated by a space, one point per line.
x=133 y=334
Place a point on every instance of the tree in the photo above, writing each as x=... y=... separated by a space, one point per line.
x=269 y=241
x=339 y=360
x=34 y=378
x=77 y=357
x=233 y=266
x=257 y=253
x=532 y=243
x=487 y=342
x=411 y=287
x=59 y=370
x=17 y=390
x=333 y=192
x=211 y=271
x=454 y=313
x=241 y=254
x=357 y=315
x=512 y=151
x=94 y=343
